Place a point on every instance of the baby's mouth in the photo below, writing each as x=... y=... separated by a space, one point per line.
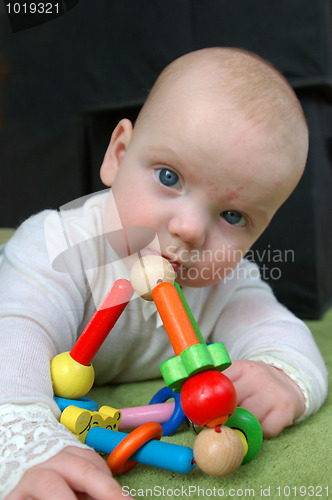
x=176 y=265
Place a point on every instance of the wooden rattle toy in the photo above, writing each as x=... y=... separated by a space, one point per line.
x=208 y=399
x=222 y=450
x=177 y=417
x=202 y=394
x=244 y=421
x=141 y=447
x=80 y=421
x=99 y=429
x=192 y=353
x=138 y=415
x=169 y=414
x=218 y=452
x=72 y=372
x=147 y=272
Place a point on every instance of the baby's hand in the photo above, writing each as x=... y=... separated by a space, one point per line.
x=268 y=393
x=72 y=473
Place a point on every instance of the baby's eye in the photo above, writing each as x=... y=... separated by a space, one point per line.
x=168 y=177
x=234 y=218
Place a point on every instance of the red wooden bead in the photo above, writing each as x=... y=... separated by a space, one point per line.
x=208 y=398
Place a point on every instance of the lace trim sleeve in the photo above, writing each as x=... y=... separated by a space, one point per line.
x=29 y=434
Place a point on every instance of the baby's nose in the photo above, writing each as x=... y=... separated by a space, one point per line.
x=190 y=227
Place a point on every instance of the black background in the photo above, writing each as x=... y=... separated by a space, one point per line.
x=65 y=83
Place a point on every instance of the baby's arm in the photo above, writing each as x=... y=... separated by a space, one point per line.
x=72 y=470
x=40 y=458
x=280 y=366
x=40 y=314
x=268 y=393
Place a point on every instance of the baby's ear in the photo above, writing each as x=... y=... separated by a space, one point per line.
x=115 y=152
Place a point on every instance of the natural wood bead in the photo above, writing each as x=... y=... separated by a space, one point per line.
x=218 y=453
x=147 y=272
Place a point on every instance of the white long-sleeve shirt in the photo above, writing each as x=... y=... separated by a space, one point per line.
x=43 y=311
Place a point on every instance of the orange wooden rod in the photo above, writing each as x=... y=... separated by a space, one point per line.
x=174 y=316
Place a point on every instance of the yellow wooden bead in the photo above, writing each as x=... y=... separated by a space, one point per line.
x=218 y=453
x=70 y=379
x=79 y=421
x=147 y=272
x=243 y=440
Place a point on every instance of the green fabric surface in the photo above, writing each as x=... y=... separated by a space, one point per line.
x=5 y=234
x=296 y=464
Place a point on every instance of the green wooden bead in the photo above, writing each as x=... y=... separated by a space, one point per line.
x=247 y=423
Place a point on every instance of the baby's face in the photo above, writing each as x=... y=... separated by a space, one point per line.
x=207 y=186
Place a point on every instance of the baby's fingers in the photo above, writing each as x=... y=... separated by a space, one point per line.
x=72 y=474
x=39 y=485
x=85 y=475
x=274 y=422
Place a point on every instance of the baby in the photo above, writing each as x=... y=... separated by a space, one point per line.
x=219 y=145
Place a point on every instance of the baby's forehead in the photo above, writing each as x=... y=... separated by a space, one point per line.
x=211 y=86
x=233 y=78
